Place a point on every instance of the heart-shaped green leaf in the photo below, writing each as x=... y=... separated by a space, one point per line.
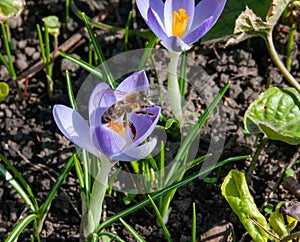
x=276 y=113
x=10 y=8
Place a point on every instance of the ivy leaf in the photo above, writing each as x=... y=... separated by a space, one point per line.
x=276 y=113
x=235 y=190
x=10 y=8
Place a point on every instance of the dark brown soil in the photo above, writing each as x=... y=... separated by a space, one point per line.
x=31 y=141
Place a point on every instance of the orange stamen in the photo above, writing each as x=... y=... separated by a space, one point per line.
x=117 y=127
x=179 y=22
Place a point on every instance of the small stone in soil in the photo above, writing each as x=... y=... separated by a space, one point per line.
x=29 y=51
x=21 y=64
x=22 y=44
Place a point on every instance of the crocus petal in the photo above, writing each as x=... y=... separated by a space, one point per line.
x=136 y=152
x=156 y=5
x=156 y=25
x=144 y=122
x=206 y=9
x=107 y=141
x=101 y=98
x=74 y=127
x=199 y=32
x=175 y=44
x=134 y=83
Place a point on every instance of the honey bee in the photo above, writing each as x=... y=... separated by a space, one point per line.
x=132 y=102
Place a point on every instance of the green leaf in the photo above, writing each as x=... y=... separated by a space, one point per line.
x=160 y=220
x=10 y=8
x=52 y=23
x=21 y=225
x=233 y=8
x=236 y=192
x=251 y=23
x=276 y=113
x=133 y=232
x=4 y=90
x=281 y=224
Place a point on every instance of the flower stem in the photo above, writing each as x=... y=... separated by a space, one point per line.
x=173 y=86
x=255 y=158
x=91 y=220
x=275 y=58
x=289 y=47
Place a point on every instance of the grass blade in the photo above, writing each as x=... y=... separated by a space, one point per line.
x=182 y=76
x=84 y=65
x=193 y=134
x=17 y=187
x=70 y=91
x=194 y=223
x=54 y=189
x=147 y=52
x=160 y=219
x=25 y=185
x=127 y=31
x=13 y=236
x=132 y=231
x=99 y=53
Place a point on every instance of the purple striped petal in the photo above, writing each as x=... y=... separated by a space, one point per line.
x=101 y=98
x=107 y=141
x=175 y=44
x=156 y=5
x=74 y=127
x=144 y=122
x=134 y=83
x=206 y=9
x=156 y=24
x=136 y=152
x=198 y=33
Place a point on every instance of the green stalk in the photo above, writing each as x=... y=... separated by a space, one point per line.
x=255 y=158
x=67 y=11
x=182 y=77
x=7 y=49
x=173 y=86
x=289 y=47
x=48 y=63
x=127 y=31
x=275 y=58
x=91 y=220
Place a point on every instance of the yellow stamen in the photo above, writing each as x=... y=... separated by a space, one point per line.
x=179 y=22
x=117 y=127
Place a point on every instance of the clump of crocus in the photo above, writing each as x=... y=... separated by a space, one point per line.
x=115 y=128
x=179 y=23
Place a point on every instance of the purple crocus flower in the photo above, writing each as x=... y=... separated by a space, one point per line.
x=179 y=23
x=116 y=128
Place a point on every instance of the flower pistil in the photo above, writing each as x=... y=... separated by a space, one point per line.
x=179 y=22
